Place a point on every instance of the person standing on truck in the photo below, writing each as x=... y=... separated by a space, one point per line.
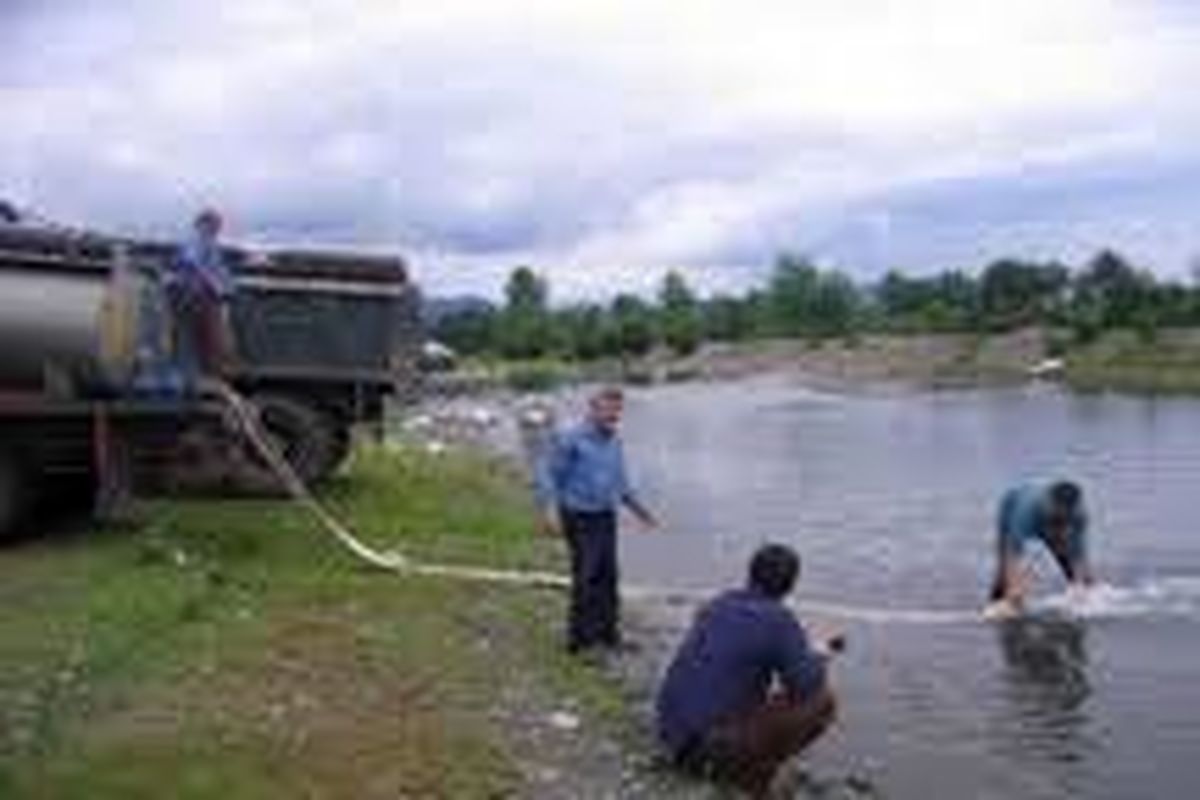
x=200 y=287
x=581 y=482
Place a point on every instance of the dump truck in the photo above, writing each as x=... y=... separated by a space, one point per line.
x=323 y=338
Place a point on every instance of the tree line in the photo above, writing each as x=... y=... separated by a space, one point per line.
x=802 y=300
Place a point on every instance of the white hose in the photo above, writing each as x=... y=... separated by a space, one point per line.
x=247 y=417
x=395 y=561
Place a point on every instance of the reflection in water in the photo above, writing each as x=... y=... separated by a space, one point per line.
x=1047 y=684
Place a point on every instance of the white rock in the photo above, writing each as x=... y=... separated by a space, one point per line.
x=481 y=416
x=564 y=721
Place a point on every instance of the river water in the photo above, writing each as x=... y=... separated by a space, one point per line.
x=890 y=497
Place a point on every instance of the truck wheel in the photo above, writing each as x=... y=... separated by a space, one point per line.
x=342 y=443
x=14 y=495
x=306 y=435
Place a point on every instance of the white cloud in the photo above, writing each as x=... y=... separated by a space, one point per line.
x=607 y=138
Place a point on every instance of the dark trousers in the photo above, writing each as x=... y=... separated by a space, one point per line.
x=595 y=607
x=202 y=340
x=748 y=749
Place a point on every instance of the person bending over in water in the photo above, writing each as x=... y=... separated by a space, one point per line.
x=1053 y=515
x=746 y=690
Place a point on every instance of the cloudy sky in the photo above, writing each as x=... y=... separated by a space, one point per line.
x=604 y=141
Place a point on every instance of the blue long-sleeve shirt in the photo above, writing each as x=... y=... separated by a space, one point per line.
x=200 y=265
x=738 y=644
x=583 y=469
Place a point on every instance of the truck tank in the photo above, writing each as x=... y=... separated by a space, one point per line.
x=67 y=310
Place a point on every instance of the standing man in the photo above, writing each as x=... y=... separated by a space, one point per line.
x=746 y=691
x=581 y=483
x=1053 y=515
x=200 y=287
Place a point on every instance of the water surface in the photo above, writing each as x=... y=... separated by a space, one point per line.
x=890 y=497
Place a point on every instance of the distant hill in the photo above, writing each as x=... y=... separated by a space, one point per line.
x=436 y=309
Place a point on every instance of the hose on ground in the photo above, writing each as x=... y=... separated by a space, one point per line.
x=249 y=426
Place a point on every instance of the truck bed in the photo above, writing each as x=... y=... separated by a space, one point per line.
x=37 y=406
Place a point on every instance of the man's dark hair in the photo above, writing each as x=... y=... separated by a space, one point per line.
x=1066 y=495
x=209 y=217
x=773 y=570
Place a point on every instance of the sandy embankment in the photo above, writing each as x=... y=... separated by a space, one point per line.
x=925 y=360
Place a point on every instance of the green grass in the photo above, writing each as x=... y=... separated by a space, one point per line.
x=229 y=649
x=1124 y=361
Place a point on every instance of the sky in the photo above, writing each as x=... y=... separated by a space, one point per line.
x=605 y=141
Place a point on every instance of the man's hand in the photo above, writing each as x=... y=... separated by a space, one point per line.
x=644 y=516
x=550 y=523
x=647 y=521
x=829 y=643
x=1001 y=609
x=827 y=640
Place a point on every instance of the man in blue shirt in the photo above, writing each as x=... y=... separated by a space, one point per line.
x=746 y=690
x=1053 y=515
x=581 y=483
x=200 y=287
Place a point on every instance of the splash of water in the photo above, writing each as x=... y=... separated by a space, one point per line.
x=1160 y=597
x=1177 y=596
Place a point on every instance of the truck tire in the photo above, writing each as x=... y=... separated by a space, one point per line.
x=343 y=442
x=14 y=495
x=306 y=435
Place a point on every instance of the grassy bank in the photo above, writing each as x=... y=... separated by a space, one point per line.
x=1166 y=363
x=228 y=649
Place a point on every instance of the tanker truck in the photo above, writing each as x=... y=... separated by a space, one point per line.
x=88 y=401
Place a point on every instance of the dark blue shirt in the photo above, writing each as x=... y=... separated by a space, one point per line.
x=738 y=644
x=583 y=470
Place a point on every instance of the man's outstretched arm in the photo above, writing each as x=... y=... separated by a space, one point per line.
x=800 y=665
x=1084 y=576
x=639 y=510
x=1012 y=569
x=631 y=500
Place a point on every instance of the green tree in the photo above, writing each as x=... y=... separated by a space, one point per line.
x=680 y=315
x=633 y=321
x=1014 y=293
x=1112 y=292
x=944 y=302
x=727 y=319
x=836 y=304
x=525 y=329
x=588 y=332
x=806 y=301
x=790 y=295
x=469 y=332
